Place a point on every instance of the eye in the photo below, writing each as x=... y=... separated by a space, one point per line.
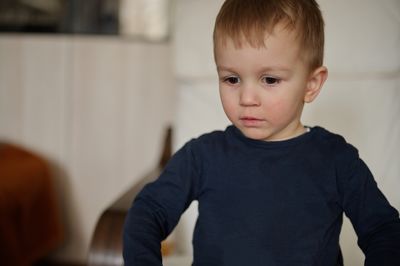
x=232 y=80
x=271 y=80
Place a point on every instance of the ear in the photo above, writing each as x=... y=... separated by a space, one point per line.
x=314 y=84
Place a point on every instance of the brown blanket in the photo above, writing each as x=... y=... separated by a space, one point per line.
x=29 y=218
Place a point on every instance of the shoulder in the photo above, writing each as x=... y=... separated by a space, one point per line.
x=344 y=155
x=202 y=146
x=211 y=139
x=199 y=152
x=335 y=143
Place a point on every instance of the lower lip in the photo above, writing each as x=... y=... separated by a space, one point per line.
x=248 y=122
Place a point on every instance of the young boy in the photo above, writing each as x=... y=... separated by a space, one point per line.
x=271 y=191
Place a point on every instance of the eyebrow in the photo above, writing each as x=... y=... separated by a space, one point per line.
x=263 y=69
x=223 y=68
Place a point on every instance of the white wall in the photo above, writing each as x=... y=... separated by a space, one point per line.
x=361 y=99
x=96 y=108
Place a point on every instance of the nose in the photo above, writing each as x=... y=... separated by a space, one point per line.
x=249 y=96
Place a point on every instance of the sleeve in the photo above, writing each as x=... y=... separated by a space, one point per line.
x=157 y=209
x=375 y=221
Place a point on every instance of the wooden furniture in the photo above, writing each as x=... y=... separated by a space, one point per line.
x=106 y=244
x=30 y=225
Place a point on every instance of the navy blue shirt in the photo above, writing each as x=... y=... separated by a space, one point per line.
x=265 y=203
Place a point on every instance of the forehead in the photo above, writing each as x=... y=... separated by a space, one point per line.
x=257 y=37
x=280 y=46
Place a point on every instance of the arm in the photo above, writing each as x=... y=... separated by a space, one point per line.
x=375 y=221
x=157 y=209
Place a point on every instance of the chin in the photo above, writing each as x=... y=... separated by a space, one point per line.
x=256 y=134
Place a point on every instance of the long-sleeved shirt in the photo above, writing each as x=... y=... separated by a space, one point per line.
x=276 y=203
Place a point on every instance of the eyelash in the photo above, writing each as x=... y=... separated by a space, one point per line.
x=230 y=79
x=270 y=81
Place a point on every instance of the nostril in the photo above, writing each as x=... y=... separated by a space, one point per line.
x=249 y=100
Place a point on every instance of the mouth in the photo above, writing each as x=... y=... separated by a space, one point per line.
x=249 y=121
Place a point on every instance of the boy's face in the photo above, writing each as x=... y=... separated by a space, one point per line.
x=263 y=90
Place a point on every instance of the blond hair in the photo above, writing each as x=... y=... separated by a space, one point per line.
x=250 y=20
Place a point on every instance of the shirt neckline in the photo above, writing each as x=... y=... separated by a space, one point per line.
x=272 y=144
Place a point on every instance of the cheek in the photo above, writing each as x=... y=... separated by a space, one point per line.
x=279 y=109
x=274 y=110
x=228 y=103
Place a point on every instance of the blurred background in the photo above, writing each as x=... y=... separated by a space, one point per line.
x=90 y=86
x=138 y=18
